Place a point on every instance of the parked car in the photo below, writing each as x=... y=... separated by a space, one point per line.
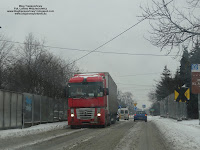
x=140 y=115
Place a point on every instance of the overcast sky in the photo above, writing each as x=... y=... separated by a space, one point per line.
x=86 y=24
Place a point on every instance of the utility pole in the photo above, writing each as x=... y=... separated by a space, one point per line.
x=195 y=69
x=199 y=106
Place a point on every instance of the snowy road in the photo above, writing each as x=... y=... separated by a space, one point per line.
x=122 y=135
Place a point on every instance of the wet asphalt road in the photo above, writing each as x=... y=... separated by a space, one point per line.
x=124 y=135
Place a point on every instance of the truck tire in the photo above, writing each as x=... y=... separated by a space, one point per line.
x=73 y=127
x=108 y=121
x=104 y=126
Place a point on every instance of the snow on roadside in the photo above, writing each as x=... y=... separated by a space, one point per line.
x=32 y=130
x=181 y=135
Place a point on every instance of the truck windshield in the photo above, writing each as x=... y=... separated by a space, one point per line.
x=84 y=90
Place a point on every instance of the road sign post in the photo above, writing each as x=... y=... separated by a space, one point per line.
x=181 y=94
x=195 y=69
x=199 y=106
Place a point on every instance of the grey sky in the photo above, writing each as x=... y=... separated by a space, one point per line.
x=86 y=24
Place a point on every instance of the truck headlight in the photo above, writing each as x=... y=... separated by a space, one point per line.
x=72 y=115
x=98 y=114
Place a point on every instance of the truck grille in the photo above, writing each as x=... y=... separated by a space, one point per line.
x=85 y=113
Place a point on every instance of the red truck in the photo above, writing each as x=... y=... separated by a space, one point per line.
x=92 y=100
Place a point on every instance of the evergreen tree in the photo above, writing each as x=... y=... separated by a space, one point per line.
x=165 y=87
x=185 y=73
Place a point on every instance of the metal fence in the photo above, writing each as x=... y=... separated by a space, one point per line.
x=173 y=109
x=11 y=105
x=19 y=110
x=41 y=109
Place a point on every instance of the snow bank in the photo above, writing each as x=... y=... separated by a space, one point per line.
x=181 y=135
x=32 y=130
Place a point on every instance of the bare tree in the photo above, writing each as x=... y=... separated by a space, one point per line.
x=38 y=71
x=173 y=26
x=5 y=57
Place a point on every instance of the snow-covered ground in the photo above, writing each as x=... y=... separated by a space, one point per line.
x=182 y=135
x=32 y=130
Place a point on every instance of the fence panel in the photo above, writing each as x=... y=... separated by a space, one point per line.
x=10 y=103
x=13 y=104
x=36 y=108
x=65 y=110
x=7 y=109
x=28 y=107
x=1 y=109
x=44 y=116
x=51 y=110
x=173 y=109
x=19 y=109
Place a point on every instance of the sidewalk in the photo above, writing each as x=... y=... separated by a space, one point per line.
x=181 y=134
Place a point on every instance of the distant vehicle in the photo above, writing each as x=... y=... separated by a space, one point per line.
x=92 y=100
x=140 y=115
x=124 y=113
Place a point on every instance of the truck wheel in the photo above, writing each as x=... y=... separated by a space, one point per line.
x=103 y=126
x=72 y=127
x=145 y=120
x=109 y=122
x=134 y=119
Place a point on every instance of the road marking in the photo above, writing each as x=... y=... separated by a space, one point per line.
x=44 y=140
x=80 y=142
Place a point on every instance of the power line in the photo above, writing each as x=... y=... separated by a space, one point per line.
x=141 y=74
x=120 y=33
x=144 y=74
x=134 y=54
x=135 y=89
x=133 y=84
x=84 y=50
x=107 y=41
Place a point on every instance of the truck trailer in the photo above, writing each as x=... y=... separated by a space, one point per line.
x=92 y=100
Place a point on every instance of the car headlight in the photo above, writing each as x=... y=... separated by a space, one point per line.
x=72 y=115
x=98 y=114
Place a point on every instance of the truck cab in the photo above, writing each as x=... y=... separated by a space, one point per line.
x=88 y=100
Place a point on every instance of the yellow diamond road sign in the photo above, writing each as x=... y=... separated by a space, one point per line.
x=176 y=94
x=187 y=94
x=135 y=104
x=182 y=94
